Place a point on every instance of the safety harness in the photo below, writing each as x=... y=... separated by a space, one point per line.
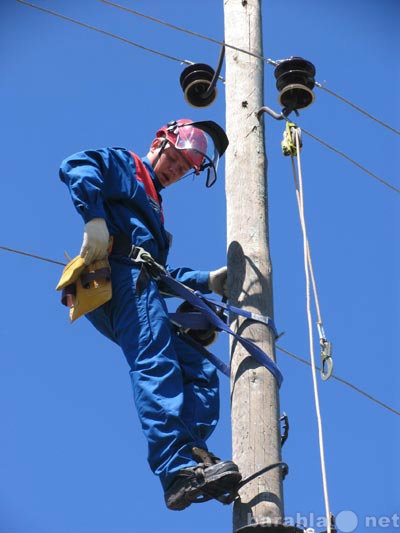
x=206 y=312
x=197 y=321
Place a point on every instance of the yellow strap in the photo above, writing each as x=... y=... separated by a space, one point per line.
x=289 y=143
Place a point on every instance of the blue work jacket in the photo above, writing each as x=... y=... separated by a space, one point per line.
x=110 y=183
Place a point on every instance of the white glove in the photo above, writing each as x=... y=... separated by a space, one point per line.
x=95 y=240
x=218 y=281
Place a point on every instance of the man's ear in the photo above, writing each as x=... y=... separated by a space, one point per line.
x=155 y=145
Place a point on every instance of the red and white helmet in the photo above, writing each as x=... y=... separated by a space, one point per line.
x=202 y=143
x=183 y=136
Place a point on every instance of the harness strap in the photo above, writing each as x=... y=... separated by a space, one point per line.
x=101 y=274
x=198 y=300
x=216 y=361
x=142 y=175
x=248 y=314
x=190 y=320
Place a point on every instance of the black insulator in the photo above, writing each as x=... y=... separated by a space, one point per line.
x=295 y=82
x=195 y=82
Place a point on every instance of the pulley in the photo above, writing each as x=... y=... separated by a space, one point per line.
x=295 y=81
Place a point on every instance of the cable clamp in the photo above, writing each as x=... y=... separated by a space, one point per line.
x=288 y=144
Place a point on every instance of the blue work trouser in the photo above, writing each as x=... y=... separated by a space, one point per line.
x=175 y=388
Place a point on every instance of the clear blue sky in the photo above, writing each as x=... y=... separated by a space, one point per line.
x=72 y=455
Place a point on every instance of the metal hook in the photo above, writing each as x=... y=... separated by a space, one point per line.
x=277 y=116
x=285 y=427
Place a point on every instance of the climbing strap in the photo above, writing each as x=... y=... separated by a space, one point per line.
x=192 y=319
x=200 y=302
x=216 y=361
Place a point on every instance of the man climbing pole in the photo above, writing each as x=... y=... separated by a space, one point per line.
x=175 y=388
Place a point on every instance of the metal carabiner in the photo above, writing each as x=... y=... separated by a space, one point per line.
x=326 y=353
x=326 y=359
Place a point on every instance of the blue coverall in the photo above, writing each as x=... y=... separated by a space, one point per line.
x=175 y=388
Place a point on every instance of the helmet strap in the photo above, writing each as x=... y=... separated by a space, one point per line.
x=160 y=152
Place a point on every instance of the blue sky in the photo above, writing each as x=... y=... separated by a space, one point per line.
x=72 y=456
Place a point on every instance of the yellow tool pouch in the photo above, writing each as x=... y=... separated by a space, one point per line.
x=85 y=287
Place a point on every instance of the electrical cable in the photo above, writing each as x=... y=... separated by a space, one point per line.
x=310 y=331
x=344 y=382
x=195 y=34
x=345 y=156
x=258 y=56
x=108 y=34
x=199 y=35
x=357 y=108
x=32 y=255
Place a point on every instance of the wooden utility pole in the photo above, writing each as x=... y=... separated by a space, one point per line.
x=255 y=404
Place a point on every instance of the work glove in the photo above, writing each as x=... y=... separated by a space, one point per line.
x=218 y=281
x=95 y=241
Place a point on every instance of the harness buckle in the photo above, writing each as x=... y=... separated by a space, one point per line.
x=140 y=255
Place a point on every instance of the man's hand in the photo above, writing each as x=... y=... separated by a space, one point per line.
x=95 y=241
x=218 y=281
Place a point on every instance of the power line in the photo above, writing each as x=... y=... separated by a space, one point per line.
x=103 y=32
x=344 y=382
x=348 y=102
x=31 y=255
x=201 y=36
x=185 y=61
x=276 y=116
x=227 y=45
x=189 y=32
x=342 y=154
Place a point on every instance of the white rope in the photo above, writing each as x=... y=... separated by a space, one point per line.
x=308 y=269
x=309 y=261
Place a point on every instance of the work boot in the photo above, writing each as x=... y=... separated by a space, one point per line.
x=210 y=478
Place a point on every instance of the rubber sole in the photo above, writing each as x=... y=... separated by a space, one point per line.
x=200 y=484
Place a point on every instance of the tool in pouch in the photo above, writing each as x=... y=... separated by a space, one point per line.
x=85 y=287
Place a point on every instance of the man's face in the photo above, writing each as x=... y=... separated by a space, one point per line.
x=171 y=166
